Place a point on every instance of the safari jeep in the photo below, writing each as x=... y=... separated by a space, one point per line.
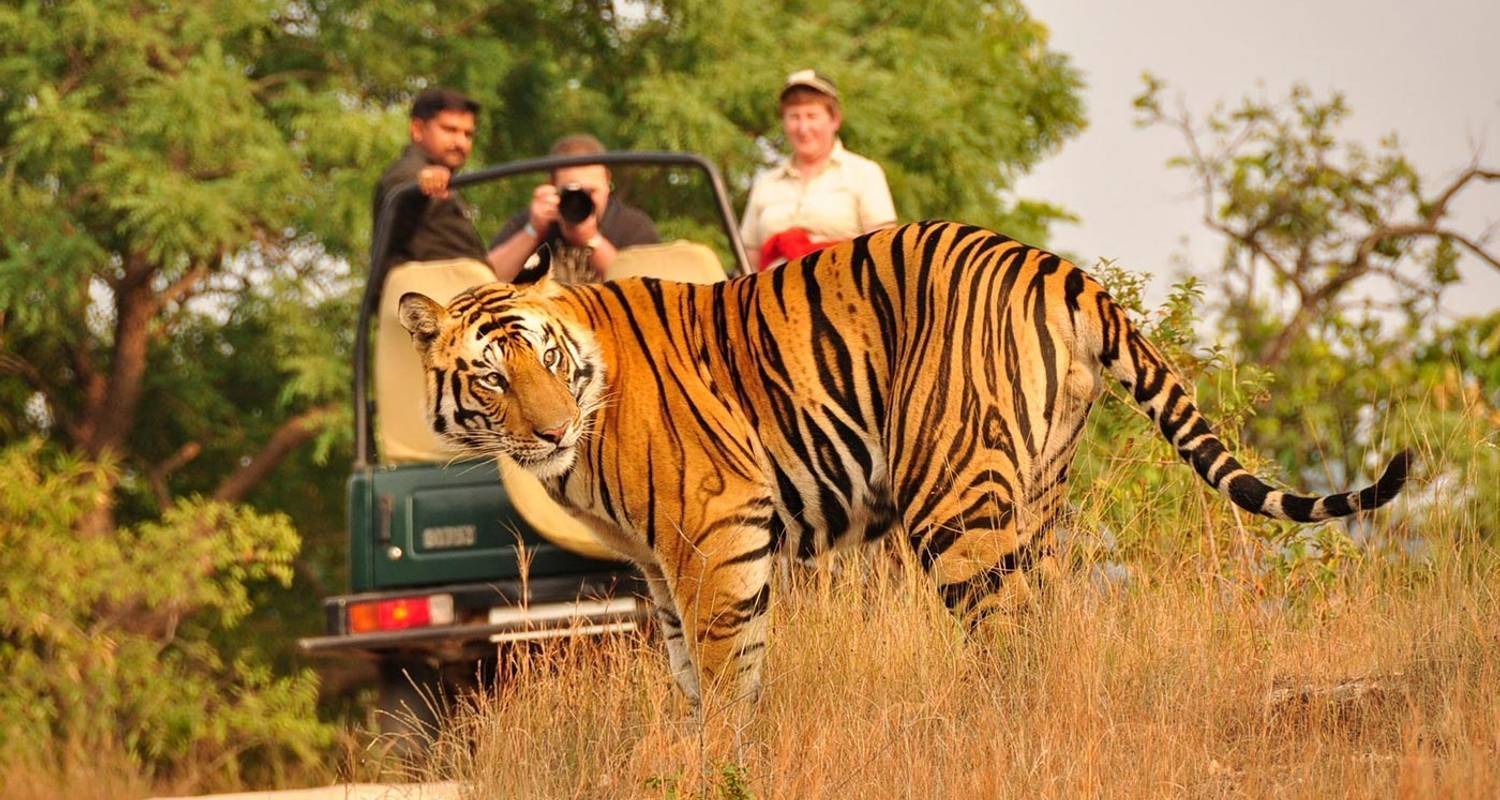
x=450 y=560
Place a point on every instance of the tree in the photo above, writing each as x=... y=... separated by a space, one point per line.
x=157 y=179
x=178 y=186
x=1312 y=224
x=1318 y=215
x=83 y=677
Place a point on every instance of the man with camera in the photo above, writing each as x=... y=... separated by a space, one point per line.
x=576 y=209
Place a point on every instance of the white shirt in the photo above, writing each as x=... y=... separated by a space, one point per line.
x=849 y=197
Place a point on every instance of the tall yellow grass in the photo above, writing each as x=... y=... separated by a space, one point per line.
x=1200 y=676
x=1203 y=673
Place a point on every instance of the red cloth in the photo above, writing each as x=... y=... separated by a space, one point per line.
x=789 y=244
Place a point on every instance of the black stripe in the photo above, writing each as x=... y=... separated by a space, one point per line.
x=1249 y=492
x=1298 y=508
x=756 y=554
x=754 y=519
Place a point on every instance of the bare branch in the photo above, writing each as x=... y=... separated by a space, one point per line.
x=1439 y=207
x=1395 y=276
x=1250 y=239
x=158 y=474
x=1472 y=246
x=183 y=286
x=16 y=365
x=283 y=441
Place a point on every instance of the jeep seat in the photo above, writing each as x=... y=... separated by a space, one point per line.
x=680 y=260
x=401 y=429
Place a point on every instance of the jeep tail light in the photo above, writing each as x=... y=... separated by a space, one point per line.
x=401 y=613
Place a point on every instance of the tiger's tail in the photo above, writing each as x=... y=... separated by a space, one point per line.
x=1128 y=356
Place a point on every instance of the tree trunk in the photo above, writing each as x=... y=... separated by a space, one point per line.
x=113 y=418
x=110 y=414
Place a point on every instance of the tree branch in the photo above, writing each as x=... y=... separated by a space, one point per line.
x=1439 y=207
x=113 y=418
x=1250 y=239
x=16 y=365
x=180 y=288
x=158 y=475
x=26 y=371
x=283 y=441
x=1472 y=246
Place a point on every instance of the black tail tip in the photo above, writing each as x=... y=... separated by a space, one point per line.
x=1390 y=483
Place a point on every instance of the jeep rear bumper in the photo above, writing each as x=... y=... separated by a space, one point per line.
x=485 y=614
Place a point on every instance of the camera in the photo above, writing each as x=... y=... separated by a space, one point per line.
x=574 y=204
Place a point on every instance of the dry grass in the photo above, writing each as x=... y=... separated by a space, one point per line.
x=1385 y=685
x=78 y=776
x=1218 y=669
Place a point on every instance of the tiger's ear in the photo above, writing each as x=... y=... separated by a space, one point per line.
x=537 y=268
x=419 y=316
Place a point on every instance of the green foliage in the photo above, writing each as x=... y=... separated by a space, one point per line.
x=1319 y=225
x=1438 y=397
x=1307 y=215
x=104 y=641
x=728 y=781
x=952 y=134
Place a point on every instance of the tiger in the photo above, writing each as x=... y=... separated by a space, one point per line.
x=932 y=378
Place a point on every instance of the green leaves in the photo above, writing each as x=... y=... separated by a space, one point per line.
x=106 y=639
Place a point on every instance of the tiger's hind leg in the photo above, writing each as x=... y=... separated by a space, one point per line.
x=989 y=538
x=983 y=567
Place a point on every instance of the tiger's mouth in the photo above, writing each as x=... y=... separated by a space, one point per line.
x=548 y=462
x=541 y=460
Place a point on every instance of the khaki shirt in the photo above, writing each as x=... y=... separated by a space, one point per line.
x=847 y=198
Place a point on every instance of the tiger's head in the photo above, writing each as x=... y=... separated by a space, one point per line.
x=505 y=373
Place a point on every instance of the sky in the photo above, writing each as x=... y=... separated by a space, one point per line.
x=1430 y=72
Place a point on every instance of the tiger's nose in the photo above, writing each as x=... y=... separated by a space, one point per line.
x=553 y=435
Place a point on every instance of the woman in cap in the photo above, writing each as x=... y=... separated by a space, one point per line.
x=821 y=193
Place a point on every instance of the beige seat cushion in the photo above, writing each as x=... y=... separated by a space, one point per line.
x=680 y=260
x=546 y=516
x=401 y=429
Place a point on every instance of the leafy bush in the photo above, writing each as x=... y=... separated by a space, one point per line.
x=105 y=639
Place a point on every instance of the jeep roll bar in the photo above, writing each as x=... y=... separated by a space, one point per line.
x=364 y=406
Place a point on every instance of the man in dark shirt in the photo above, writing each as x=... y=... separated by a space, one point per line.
x=612 y=226
x=434 y=224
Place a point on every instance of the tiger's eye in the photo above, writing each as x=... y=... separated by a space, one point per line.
x=493 y=379
x=550 y=358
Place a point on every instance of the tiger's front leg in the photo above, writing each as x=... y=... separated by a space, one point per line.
x=669 y=621
x=719 y=577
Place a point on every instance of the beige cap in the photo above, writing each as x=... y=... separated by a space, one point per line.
x=810 y=79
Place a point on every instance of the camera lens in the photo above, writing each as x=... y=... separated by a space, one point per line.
x=574 y=204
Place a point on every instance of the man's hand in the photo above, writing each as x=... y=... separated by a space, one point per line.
x=543 y=208
x=433 y=181
x=582 y=233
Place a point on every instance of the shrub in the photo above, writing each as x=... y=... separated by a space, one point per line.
x=115 y=642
